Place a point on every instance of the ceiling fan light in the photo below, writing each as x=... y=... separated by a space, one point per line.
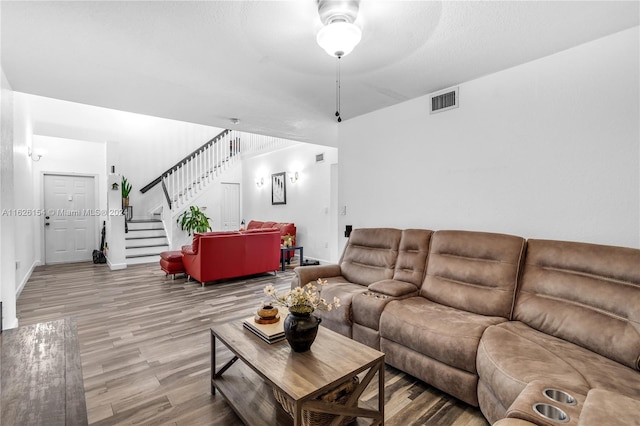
x=339 y=38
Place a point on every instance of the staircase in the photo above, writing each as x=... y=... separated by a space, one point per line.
x=185 y=180
x=144 y=241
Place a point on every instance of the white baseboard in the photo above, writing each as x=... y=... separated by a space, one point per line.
x=26 y=278
x=8 y=324
x=116 y=266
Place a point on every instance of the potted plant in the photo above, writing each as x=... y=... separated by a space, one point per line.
x=126 y=190
x=300 y=327
x=194 y=220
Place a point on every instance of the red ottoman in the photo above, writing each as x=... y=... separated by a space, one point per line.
x=171 y=263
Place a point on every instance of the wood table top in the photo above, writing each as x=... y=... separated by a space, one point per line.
x=332 y=359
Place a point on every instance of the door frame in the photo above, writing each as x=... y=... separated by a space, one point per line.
x=96 y=179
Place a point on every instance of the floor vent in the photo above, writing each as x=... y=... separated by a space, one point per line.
x=444 y=100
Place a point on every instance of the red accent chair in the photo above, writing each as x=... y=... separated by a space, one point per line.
x=219 y=255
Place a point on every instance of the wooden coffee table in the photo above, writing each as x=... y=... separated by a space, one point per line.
x=332 y=360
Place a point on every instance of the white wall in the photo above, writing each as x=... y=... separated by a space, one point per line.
x=25 y=250
x=7 y=219
x=548 y=149
x=140 y=147
x=210 y=202
x=308 y=204
x=68 y=156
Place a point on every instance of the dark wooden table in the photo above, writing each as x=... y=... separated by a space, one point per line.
x=284 y=250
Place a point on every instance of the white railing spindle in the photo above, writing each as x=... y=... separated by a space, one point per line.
x=209 y=164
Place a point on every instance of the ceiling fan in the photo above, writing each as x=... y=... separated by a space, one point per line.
x=339 y=35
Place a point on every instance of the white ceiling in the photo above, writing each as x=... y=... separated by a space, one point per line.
x=208 y=61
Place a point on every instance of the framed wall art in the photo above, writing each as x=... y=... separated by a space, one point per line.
x=279 y=188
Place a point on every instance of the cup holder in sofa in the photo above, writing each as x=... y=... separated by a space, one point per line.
x=550 y=412
x=559 y=396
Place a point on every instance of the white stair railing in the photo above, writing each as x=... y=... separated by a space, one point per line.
x=188 y=178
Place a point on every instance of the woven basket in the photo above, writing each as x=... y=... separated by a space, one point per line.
x=338 y=395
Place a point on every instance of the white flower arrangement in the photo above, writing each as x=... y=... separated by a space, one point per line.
x=303 y=299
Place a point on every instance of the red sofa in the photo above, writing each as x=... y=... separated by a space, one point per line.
x=284 y=228
x=219 y=255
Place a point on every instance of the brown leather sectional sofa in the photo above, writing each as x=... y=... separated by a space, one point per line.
x=495 y=320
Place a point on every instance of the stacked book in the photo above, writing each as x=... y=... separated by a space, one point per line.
x=270 y=333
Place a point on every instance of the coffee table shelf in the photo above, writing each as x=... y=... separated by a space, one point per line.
x=333 y=359
x=241 y=387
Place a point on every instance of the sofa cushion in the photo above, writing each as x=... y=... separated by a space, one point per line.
x=254 y=224
x=446 y=334
x=473 y=271
x=370 y=255
x=603 y=407
x=286 y=229
x=412 y=256
x=512 y=354
x=172 y=256
x=587 y=294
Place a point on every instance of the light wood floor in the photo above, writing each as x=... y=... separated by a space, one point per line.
x=144 y=343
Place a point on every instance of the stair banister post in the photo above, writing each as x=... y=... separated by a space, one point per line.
x=196 y=172
x=225 y=156
x=218 y=159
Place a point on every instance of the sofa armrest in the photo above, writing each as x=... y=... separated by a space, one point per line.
x=394 y=288
x=188 y=249
x=306 y=274
x=513 y=422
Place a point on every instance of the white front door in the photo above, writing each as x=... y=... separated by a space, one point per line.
x=230 y=206
x=70 y=218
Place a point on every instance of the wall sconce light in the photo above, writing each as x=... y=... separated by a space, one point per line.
x=33 y=155
x=259 y=182
x=293 y=177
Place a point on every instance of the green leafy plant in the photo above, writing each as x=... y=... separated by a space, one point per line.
x=126 y=187
x=194 y=220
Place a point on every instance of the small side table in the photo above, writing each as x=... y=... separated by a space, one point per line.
x=284 y=250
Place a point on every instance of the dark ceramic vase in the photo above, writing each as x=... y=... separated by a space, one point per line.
x=301 y=329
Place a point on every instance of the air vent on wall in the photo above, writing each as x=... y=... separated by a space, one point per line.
x=319 y=157
x=444 y=100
